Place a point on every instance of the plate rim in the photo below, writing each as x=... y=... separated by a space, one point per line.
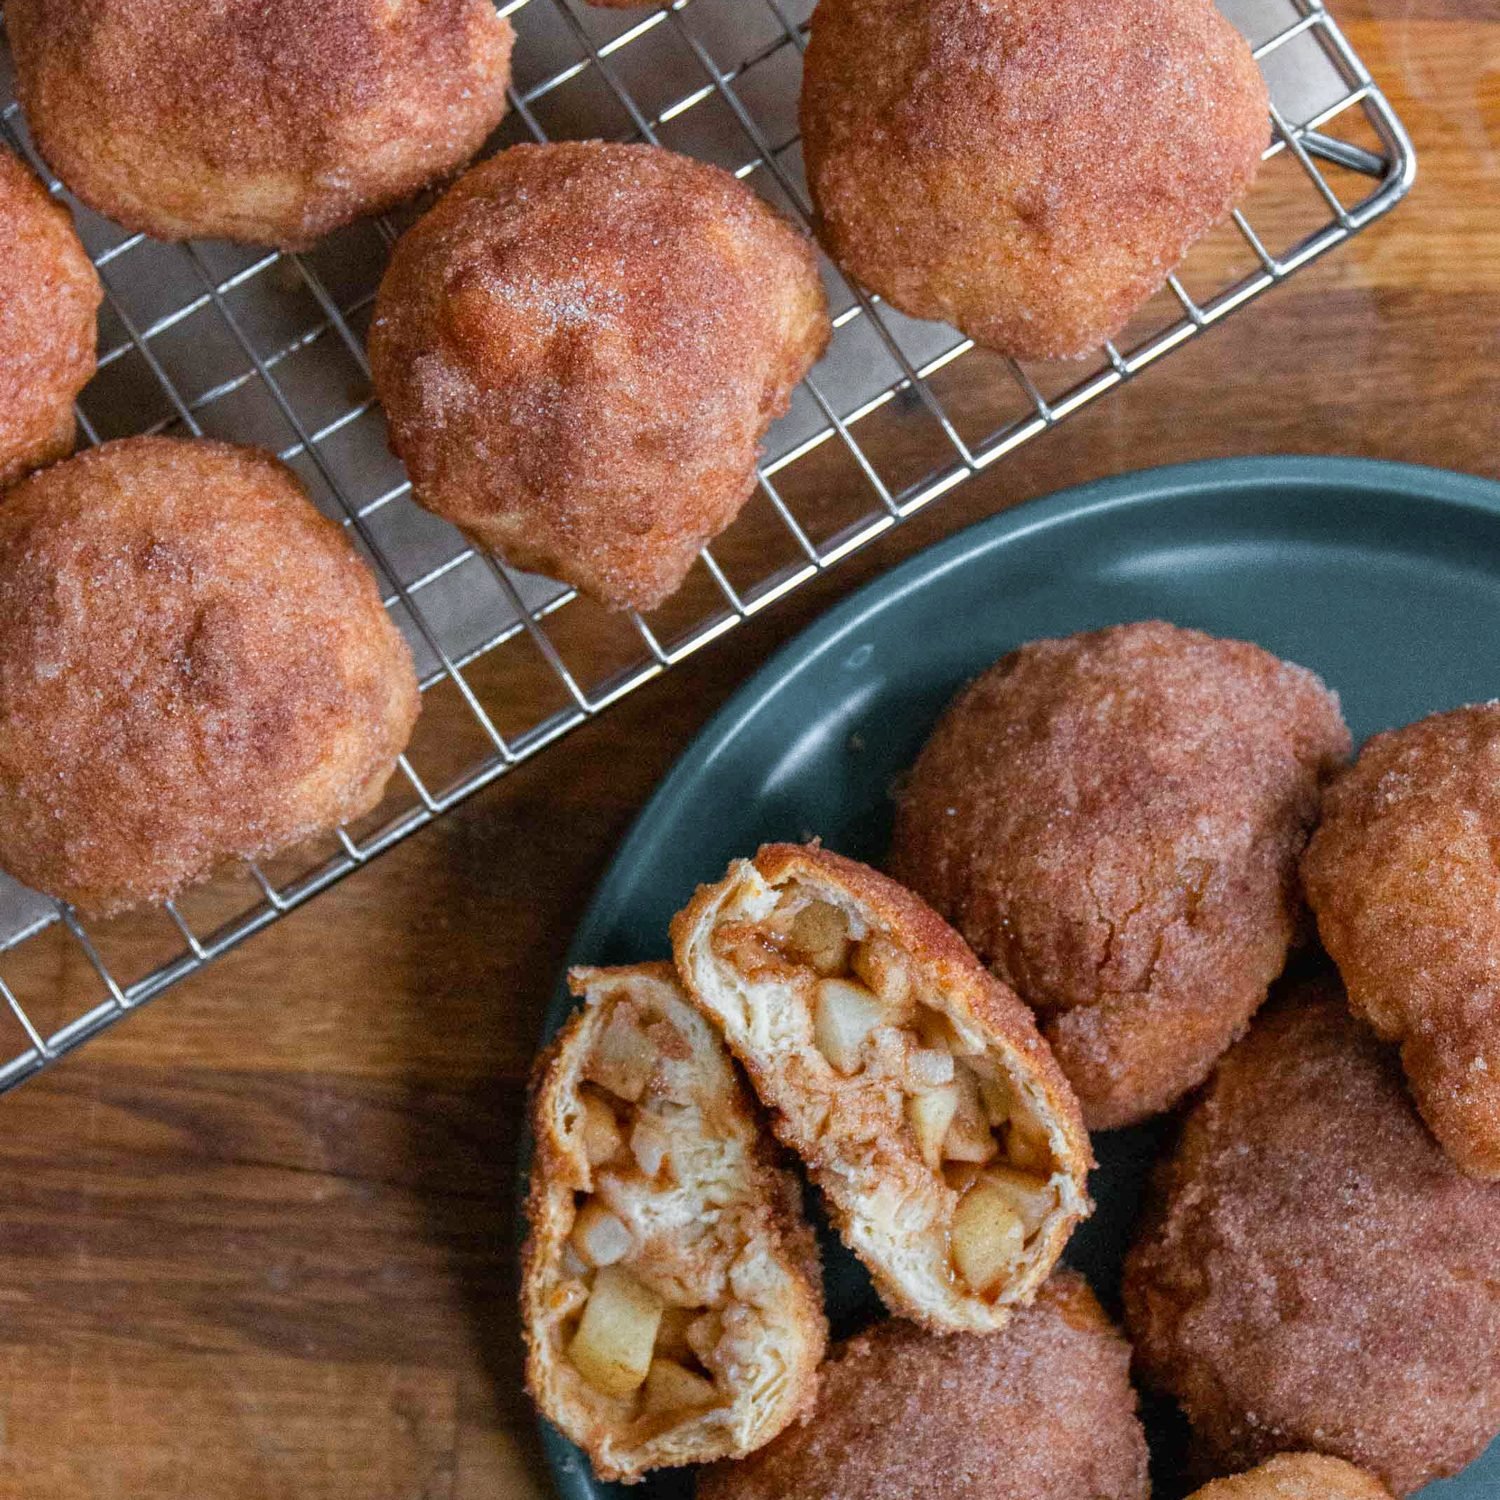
x=567 y=1469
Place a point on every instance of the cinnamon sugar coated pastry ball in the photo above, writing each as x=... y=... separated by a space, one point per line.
x=1042 y=1411
x=1029 y=172
x=268 y=121
x=1113 y=821
x=49 y=295
x=579 y=351
x=670 y=1296
x=913 y=1085
x=1403 y=879
x=1316 y=1274
x=1297 y=1476
x=194 y=665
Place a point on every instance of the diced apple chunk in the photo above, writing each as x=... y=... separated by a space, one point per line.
x=961 y=1175
x=601 y=1131
x=622 y=1058
x=672 y=1387
x=928 y=1067
x=1027 y=1146
x=599 y=1237
x=930 y=1114
x=881 y=965
x=988 y=1238
x=617 y=1333
x=819 y=937
x=969 y=1136
x=996 y=1092
x=1031 y=1197
x=649 y=1144
x=844 y=1015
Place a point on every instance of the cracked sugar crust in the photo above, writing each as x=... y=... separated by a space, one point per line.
x=1315 y=1273
x=1297 y=1476
x=194 y=665
x=49 y=296
x=272 y=122
x=1041 y=1411
x=580 y=349
x=1029 y=172
x=1403 y=878
x=1113 y=820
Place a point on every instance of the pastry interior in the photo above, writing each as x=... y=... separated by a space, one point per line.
x=897 y=1097
x=680 y=1322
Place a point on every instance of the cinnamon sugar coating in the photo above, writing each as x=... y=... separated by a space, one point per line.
x=1029 y=172
x=1297 y=1476
x=1316 y=1274
x=49 y=295
x=1043 y=1410
x=1403 y=879
x=194 y=665
x=1113 y=820
x=579 y=351
x=271 y=122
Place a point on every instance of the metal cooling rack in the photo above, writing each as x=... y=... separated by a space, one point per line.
x=268 y=349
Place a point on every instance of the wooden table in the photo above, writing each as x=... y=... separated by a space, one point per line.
x=258 y=1240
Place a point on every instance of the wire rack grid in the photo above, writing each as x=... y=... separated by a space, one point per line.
x=268 y=348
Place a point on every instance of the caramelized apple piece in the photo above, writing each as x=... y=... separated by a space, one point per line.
x=996 y=1092
x=930 y=1114
x=1030 y=1197
x=601 y=1131
x=617 y=1333
x=599 y=1237
x=844 y=1015
x=969 y=1136
x=819 y=937
x=880 y=965
x=672 y=1387
x=671 y=1333
x=622 y=1058
x=988 y=1237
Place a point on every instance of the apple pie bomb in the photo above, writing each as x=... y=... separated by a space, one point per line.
x=912 y=1083
x=670 y=1286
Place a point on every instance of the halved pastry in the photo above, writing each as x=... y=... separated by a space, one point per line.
x=912 y=1083
x=670 y=1292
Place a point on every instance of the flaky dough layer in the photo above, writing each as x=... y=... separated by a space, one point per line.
x=716 y=1233
x=849 y=1120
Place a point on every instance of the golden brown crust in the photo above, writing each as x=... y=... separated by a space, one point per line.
x=579 y=351
x=775 y=1258
x=49 y=295
x=194 y=665
x=1113 y=821
x=271 y=123
x=861 y=1188
x=1042 y=1411
x=1297 y=1476
x=1402 y=877
x=1316 y=1274
x=1028 y=172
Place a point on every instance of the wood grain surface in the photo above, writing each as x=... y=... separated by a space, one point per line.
x=257 y=1241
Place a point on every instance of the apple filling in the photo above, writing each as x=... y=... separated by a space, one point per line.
x=654 y=1323
x=881 y=1028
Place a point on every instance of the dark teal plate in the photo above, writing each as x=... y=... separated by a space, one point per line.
x=1384 y=579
